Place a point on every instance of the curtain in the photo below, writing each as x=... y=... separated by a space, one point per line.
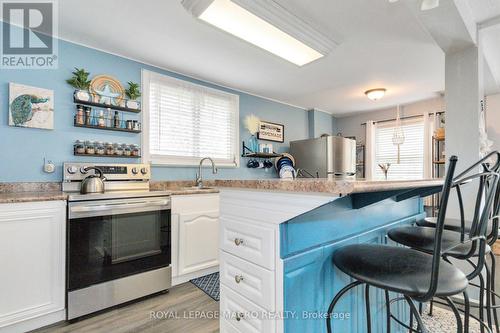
x=370 y=149
x=429 y=127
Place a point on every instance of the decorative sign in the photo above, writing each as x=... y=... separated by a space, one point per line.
x=271 y=132
x=31 y=107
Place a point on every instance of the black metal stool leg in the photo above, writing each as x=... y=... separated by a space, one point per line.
x=481 y=300
x=466 y=312
x=388 y=310
x=413 y=309
x=420 y=308
x=431 y=308
x=493 y=289
x=368 y=313
x=457 y=314
x=335 y=300
x=488 y=295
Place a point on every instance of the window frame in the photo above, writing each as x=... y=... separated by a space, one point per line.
x=179 y=161
x=391 y=125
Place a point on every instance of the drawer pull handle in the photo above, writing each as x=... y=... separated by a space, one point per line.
x=240 y=316
x=238 y=241
x=238 y=278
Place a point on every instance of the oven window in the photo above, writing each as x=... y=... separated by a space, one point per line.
x=105 y=248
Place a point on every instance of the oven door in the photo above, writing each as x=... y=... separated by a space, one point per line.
x=111 y=239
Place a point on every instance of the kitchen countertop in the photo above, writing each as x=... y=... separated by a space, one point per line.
x=15 y=197
x=33 y=196
x=327 y=186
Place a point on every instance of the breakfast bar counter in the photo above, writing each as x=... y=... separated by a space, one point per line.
x=277 y=239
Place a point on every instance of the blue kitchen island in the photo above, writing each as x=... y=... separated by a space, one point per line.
x=277 y=243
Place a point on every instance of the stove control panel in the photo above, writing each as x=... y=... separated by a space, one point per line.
x=112 y=172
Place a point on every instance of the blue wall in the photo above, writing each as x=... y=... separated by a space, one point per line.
x=320 y=123
x=23 y=149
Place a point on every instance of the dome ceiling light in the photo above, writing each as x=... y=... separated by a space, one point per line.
x=375 y=94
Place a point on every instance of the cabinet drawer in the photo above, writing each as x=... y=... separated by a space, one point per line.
x=249 y=280
x=251 y=242
x=245 y=316
x=226 y=327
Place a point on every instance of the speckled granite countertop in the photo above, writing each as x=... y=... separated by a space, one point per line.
x=15 y=197
x=330 y=186
x=32 y=192
x=12 y=192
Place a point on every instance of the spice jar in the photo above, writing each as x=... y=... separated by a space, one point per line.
x=126 y=150
x=110 y=150
x=118 y=149
x=89 y=148
x=79 y=147
x=135 y=150
x=79 y=118
x=99 y=148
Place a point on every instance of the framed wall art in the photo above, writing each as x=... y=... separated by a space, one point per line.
x=271 y=132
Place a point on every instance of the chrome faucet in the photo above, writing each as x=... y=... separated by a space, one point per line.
x=199 y=180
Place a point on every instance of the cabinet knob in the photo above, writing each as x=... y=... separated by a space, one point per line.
x=240 y=316
x=238 y=241
x=238 y=278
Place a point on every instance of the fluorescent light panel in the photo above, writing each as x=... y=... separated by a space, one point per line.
x=228 y=16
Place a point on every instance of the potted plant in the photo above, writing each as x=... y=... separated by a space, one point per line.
x=80 y=81
x=133 y=92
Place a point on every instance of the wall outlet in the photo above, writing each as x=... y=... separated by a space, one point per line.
x=48 y=166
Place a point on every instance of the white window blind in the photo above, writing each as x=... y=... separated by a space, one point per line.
x=187 y=122
x=411 y=164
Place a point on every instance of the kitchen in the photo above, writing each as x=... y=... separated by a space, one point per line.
x=137 y=180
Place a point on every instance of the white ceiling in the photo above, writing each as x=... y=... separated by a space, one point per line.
x=382 y=45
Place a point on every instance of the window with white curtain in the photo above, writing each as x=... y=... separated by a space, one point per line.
x=186 y=122
x=411 y=164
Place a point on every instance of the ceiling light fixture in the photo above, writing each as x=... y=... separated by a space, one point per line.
x=266 y=24
x=375 y=94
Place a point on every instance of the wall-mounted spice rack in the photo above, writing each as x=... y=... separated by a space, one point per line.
x=106 y=149
x=113 y=156
x=94 y=97
x=107 y=128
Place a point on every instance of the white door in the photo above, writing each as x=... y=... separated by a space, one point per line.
x=198 y=241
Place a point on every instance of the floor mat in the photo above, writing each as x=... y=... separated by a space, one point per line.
x=209 y=284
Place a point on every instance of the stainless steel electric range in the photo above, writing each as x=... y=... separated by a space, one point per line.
x=118 y=241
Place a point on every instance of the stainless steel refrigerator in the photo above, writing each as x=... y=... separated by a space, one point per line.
x=325 y=157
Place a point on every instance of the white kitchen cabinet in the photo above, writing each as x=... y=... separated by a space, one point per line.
x=195 y=236
x=32 y=263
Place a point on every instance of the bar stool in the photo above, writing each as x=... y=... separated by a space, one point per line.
x=462 y=238
x=463 y=227
x=416 y=275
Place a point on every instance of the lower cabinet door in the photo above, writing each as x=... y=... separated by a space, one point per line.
x=32 y=260
x=244 y=315
x=198 y=241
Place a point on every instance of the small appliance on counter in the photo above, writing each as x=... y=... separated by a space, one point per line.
x=118 y=236
x=325 y=157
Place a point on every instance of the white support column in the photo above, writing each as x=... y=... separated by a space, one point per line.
x=463 y=95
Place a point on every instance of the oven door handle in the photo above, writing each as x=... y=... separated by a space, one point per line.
x=118 y=208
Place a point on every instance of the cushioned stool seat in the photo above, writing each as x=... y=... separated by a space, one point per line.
x=449 y=224
x=422 y=238
x=398 y=269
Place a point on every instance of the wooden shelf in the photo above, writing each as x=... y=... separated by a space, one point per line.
x=261 y=155
x=439 y=162
x=438 y=139
x=112 y=156
x=108 y=128
x=105 y=106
